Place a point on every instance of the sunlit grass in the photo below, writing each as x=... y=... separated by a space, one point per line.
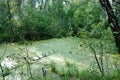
x=71 y=49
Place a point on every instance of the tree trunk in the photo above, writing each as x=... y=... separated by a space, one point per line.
x=8 y=9
x=113 y=21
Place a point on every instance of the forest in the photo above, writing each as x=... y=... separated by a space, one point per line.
x=59 y=39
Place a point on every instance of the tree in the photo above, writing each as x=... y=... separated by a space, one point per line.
x=113 y=21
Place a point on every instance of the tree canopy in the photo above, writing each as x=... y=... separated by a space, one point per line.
x=42 y=19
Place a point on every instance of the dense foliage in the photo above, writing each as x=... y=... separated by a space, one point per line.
x=30 y=20
x=86 y=48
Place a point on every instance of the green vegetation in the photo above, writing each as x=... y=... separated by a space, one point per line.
x=67 y=58
x=56 y=19
x=59 y=40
